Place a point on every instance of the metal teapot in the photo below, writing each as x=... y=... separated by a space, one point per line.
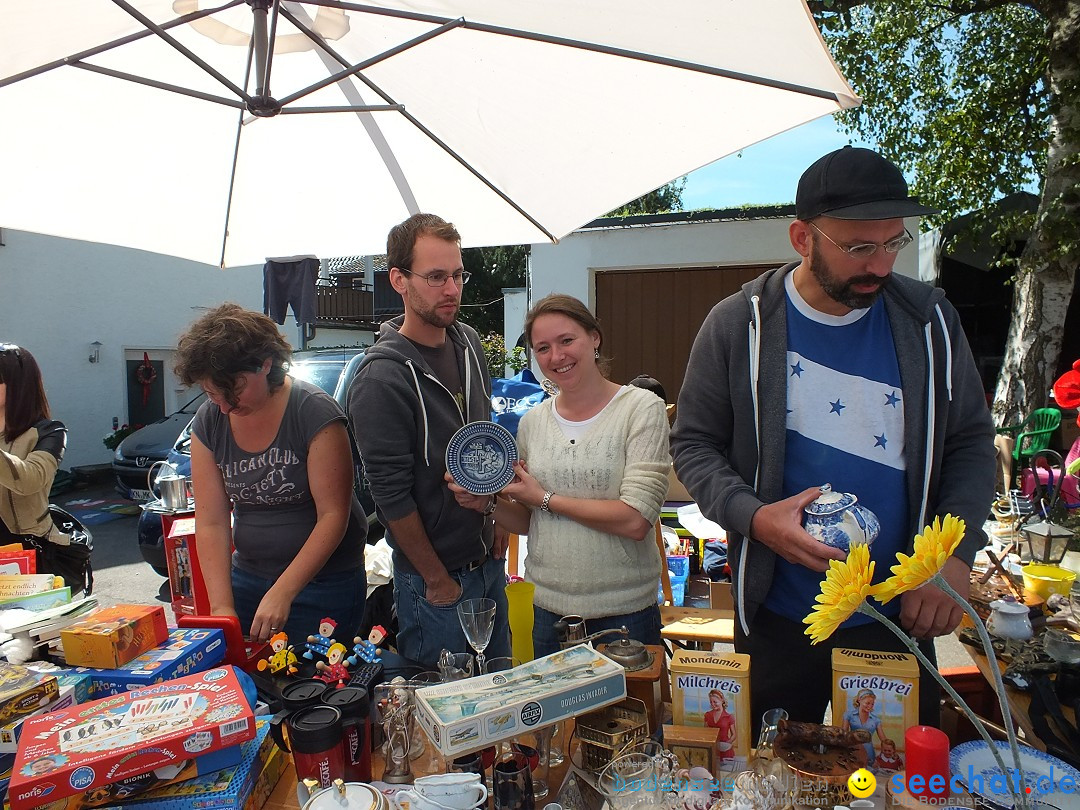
x=837 y=520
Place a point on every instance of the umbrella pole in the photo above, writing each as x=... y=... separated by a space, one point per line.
x=260 y=39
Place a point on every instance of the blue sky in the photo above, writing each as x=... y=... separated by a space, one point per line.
x=766 y=172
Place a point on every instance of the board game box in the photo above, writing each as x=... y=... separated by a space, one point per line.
x=476 y=712
x=23 y=692
x=113 y=636
x=186 y=651
x=99 y=743
x=261 y=761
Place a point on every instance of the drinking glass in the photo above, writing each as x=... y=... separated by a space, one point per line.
x=513 y=787
x=629 y=781
x=477 y=617
x=455 y=666
x=499 y=664
x=765 y=761
x=666 y=762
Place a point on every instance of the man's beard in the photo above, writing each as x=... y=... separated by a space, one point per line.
x=841 y=291
x=433 y=316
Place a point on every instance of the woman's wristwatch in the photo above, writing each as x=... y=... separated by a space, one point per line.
x=545 y=505
x=492 y=506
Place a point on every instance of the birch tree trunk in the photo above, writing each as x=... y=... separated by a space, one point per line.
x=1049 y=262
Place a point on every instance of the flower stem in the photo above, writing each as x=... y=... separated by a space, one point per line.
x=867 y=609
x=991 y=657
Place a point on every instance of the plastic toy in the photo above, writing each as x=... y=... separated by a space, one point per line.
x=283 y=659
x=336 y=670
x=320 y=644
x=368 y=650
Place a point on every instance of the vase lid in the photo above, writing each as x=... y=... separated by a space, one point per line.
x=829 y=501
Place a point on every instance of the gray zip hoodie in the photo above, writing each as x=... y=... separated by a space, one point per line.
x=403 y=419
x=729 y=437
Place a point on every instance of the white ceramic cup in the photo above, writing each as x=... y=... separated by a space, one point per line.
x=460 y=791
x=463 y=796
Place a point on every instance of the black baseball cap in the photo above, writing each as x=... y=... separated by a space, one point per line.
x=855 y=183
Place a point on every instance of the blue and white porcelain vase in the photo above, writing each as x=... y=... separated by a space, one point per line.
x=837 y=520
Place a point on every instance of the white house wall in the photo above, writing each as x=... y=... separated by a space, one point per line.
x=570 y=266
x=57 y=296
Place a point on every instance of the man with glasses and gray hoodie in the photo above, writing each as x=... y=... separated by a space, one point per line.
x=424 y=378
x=833 y=369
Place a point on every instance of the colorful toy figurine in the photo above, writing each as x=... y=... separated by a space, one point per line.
x=368 y=650
x=320 y=644
x=282 y=659
x=336 y=670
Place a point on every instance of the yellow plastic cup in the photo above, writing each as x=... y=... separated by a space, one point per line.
x=519 y=596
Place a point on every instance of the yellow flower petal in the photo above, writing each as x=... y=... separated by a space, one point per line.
x=932 y=548
x=845 y=587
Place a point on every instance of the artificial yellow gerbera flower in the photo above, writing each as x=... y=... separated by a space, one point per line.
x=845 y=587
x=932 y=548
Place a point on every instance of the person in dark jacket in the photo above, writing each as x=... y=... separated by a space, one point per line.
x=425 y=378
x=834 y=370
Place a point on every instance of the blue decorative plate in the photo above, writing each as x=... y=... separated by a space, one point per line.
x=973 y=765
x=481 y=456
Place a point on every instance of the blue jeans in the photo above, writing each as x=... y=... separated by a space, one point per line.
x=644 y=626
x=425 y=629
x=339 y=596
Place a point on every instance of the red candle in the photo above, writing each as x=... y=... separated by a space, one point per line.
x=927 y=762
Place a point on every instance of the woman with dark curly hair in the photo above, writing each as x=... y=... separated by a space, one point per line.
x=31 y=448
x=273 y=452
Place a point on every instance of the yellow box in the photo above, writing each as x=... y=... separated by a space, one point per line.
x=111 y=637
x=711 y=689
x=878 y=692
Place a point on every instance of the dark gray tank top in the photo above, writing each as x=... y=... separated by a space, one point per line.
x=273 y=509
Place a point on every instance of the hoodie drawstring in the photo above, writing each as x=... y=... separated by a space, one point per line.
x=931 y=395
x=754 y=341
x=948 y=350
x=423 y=409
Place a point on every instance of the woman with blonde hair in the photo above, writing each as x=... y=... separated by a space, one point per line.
x=589 y=487
x=861 y=717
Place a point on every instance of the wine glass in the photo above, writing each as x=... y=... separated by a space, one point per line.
x=477 y=617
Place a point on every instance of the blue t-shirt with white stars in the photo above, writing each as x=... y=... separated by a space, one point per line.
x=845 y=427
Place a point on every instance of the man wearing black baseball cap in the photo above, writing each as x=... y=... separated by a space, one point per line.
x=834 y=370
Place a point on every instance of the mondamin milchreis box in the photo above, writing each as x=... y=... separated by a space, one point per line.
x=877 y=692
x=713 y=690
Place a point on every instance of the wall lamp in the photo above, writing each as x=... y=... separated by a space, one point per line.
x=95 y=351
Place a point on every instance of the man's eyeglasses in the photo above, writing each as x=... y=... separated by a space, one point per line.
x=865 y=250
x=440 y=277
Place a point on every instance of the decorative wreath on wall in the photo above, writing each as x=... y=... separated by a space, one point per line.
x=145 y=375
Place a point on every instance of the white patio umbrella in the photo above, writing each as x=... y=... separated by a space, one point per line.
x=166 y=125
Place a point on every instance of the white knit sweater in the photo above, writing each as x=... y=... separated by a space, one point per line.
x=624 y=455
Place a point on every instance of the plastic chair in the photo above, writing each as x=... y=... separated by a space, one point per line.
x=1031 y=435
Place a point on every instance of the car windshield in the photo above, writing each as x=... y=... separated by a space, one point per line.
x=324 y=375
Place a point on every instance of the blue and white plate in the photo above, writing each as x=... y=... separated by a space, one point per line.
x=481 y=456
x=1042 y=773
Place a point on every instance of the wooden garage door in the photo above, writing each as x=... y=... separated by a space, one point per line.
x=651 y=317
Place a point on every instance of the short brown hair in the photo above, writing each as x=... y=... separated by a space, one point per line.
x=572 y=308
x=227 y=341
x=25 y=403
x=402 y=238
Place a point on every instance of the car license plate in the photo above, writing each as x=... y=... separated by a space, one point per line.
x=142 y=495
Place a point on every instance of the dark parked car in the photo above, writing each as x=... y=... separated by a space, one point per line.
x=330 y=369
x=137 y=453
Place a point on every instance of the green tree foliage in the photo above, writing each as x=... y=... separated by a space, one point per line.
x=664 y=199
x=975 y=99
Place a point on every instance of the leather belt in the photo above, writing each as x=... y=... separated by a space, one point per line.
x=470 y=566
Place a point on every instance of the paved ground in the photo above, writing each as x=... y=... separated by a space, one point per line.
x=120 y=574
